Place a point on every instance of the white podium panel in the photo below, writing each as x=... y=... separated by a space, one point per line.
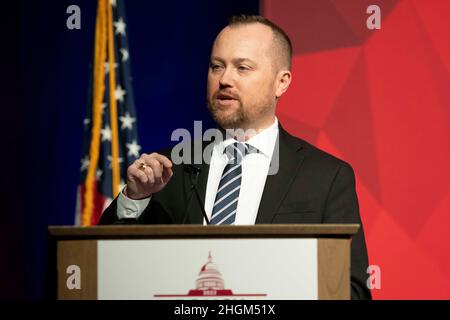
x=207 y=269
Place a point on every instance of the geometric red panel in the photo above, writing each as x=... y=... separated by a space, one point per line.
x=380 y=99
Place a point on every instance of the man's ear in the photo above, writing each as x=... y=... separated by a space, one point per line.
x=283 y=81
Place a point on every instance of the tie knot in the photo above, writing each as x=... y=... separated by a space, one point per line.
x=237 y=151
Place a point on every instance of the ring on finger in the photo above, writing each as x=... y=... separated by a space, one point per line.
x=143 y=166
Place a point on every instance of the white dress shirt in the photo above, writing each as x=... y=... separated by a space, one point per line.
x=255 y=167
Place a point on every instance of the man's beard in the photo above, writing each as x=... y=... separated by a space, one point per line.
x=242 y=115
x=226 y=118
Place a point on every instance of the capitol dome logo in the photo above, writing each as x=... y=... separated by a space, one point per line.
x=210 y=283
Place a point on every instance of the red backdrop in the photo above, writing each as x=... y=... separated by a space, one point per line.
x=380 y=99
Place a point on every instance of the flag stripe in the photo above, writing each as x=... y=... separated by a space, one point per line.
x=113 y=107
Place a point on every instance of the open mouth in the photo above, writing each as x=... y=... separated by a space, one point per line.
x=225 y=99
x=225 y=102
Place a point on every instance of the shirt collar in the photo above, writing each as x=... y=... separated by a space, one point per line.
x=264 y=141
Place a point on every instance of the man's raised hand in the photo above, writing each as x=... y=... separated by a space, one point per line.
x=147 y=175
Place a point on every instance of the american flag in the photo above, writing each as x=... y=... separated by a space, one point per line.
x=110 y=133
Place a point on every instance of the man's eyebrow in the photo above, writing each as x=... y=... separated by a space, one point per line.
x=236 y=60
x=216 y=59
x=242 y=60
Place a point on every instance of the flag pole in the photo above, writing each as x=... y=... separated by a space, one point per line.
x=98 y=92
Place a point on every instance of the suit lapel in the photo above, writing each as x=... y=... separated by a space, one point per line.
x=277 y=185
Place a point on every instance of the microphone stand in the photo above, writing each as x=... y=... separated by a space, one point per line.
x=191 y=169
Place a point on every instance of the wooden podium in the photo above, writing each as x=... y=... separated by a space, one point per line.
x=292 y=261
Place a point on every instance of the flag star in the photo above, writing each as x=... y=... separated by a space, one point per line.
x=106 y=133
x=127 y=121
x=120 y=160
x=106 y=65
x=133 y=149
x=112 y=2
x=125 y=54
x=98 y=173
x=120 y=27
x=85 y=163
x=86 y=121
x=119 y=93
x=104 y=105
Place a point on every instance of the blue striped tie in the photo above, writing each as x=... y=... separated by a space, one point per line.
x=225 y=205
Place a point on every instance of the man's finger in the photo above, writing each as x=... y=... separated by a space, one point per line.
x=156 y=166
x=141 y=158
x=138 y=175
x=163 y=159
x=159 y=157
x=150 y=175
x=167 y=174
x=145 y=170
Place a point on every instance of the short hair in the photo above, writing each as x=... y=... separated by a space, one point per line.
x=279 y=35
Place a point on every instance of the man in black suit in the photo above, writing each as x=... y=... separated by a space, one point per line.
x=258 y=173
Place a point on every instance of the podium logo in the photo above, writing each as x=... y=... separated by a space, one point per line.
x=73 y=281
x=210 y=283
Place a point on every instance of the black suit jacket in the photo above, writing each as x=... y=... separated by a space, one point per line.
x=311 y=186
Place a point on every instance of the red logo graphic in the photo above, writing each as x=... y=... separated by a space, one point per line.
x=210 y=284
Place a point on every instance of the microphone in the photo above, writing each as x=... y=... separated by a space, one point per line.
x=194 y=172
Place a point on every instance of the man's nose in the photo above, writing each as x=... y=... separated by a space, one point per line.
x=226 y=79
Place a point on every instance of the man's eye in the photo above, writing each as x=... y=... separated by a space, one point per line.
x=215 y=67
x=243 y=68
